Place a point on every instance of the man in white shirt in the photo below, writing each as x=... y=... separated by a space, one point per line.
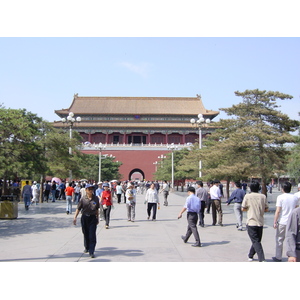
x=285 y=204
x=215 y=195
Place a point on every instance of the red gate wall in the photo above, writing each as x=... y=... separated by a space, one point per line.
x=134 y=159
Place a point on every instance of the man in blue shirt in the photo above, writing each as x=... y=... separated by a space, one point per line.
x=238 y=195
x=192 y=206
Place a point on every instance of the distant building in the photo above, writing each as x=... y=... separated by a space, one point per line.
x=136 y=130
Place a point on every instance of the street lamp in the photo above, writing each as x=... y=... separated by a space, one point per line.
x=155 y=163
x=100 y=147
x=200 y=123
x=172 y=147
x=162 y=159
x=70 y=120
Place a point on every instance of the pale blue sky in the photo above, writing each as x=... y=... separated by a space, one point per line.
x=42 y=74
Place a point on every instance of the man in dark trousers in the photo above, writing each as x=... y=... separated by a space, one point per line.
x=202 y=194
x=89 y=207
x=192 y=206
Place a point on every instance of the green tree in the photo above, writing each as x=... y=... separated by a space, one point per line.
x=253 y=143
x=293 y=166
x=20 y=154
x=164 y=170
x=89 y=167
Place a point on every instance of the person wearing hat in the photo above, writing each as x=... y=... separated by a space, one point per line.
x=89 y=207
x=107 y=202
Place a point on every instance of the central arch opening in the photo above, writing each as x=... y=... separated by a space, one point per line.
x=136 y=174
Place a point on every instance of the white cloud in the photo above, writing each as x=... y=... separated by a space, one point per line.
x=141 y=69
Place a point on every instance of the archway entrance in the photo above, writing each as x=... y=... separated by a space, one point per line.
x=136 y=174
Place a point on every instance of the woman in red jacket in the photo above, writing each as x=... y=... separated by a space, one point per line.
x=107 y=202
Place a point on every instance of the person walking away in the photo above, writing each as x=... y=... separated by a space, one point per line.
x=238 y=195
x=77 y=189
x=215 y=195
x=98 y=193
x=119 y=191
x=285 y=204
x=192 y=206
x=89 y=207
x=293 y=236
x=62 y=193
x=165 y=190
x=130 y=203
x=47 y=189
x=209 y=185
x=53 y=191
x=107 y=202
x=35 y=193
x=202 y=194
x=256 y=205
x=26 y=194
x=152 y=201
x=69 y=192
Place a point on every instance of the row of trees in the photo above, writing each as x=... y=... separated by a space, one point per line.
x=31 y=148
x=255 y=141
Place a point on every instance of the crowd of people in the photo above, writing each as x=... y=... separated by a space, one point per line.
x=95 y=201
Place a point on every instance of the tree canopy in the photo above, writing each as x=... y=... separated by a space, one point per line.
x=250 y=144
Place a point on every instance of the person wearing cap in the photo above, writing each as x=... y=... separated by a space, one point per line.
x=107 y=202
x=89 y=207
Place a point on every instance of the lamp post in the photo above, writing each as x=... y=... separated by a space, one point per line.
x=200 y=122
x=172 y=147
x=162 y=159
x=100 y=147
x=70 y=120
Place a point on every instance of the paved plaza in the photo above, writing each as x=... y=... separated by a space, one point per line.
x=45 y=233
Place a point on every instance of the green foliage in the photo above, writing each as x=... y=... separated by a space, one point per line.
x=164 y=169
x=293 y=165
x=250 y=144
x=88 y=167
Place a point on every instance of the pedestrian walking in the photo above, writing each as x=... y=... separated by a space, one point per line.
x=47 y=188
x=165 y=190
x=215 y=195
x=119 y=191
x=192 y=206
x=26 y=194
x=202 y=194
x=98 y=193
x=130 y=202
x=152 y=201
x=69 y=192
x=107 y=202
x=53 y=191
x=238 y=196
x=285 y=204
x=35 y=193
x=256 y=205
x=89 y=207
x=293 y=236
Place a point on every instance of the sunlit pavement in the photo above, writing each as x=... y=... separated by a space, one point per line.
x=45 y=233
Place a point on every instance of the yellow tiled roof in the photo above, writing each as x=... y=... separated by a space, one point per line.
x=137 y=106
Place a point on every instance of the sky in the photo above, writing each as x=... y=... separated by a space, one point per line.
x=41 y=74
